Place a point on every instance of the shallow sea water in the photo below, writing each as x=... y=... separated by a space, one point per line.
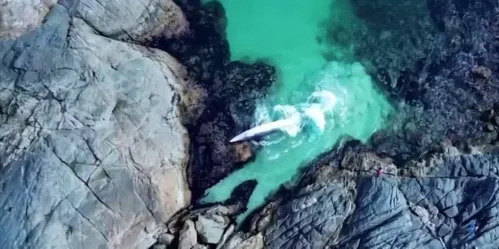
x=291 y=34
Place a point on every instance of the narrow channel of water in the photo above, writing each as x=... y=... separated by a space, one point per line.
x=333 y=98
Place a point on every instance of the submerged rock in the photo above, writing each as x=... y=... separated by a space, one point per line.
x=228 y=113
x=482 y=71
x=232 y=88
x=93 y=149
x=439 y=57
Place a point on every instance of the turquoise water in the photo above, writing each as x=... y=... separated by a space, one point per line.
x=291 y=35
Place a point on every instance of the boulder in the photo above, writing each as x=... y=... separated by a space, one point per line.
x=165 y=239
x=228 y=232
x=92 y=147
x=210 y=229
x=188 y=237
x=482 y=72
x=242 y=241
x=242 y=152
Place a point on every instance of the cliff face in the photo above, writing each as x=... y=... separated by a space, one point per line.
x=92 y=144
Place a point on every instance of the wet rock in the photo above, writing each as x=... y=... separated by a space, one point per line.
x=243 y=152
x=487 y=115
x=482 y=72
x=187 y=236
x=442 y=94
x=230 y=112
x=241 y=194
x=232 y=87
x=496 y=120
x=261 y=220
x=489 y=127
x=210 y=230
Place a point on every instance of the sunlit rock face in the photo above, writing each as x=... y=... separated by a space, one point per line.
x=93 y=150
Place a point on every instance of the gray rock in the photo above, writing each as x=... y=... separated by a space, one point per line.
x=165 y=239
x=311 y=219
x=92 y=146
x=226 y=235
x=121 y=19
x=242 y=241
x=20 y=16
x=210 y=229
x=433 y=211
x=198 y=246
x=188 y=236
x=253 y=242
x=159 y=246
x=133 y=19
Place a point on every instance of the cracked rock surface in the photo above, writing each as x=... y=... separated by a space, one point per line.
x=346 y=205
x=92 y=144
x=20 y=16
x=121 y=19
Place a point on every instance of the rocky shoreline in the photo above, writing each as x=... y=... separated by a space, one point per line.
x=93 y=148
x=105 y=142
x=342 y=202
x=429 y=180
x=232 y=88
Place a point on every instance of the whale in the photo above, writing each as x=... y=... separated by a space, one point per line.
x=267 y=128
x=317 y=105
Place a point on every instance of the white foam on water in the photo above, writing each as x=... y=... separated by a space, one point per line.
x=314 y=112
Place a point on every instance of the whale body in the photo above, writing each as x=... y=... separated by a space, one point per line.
x=268 y=128
x=318 y=104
